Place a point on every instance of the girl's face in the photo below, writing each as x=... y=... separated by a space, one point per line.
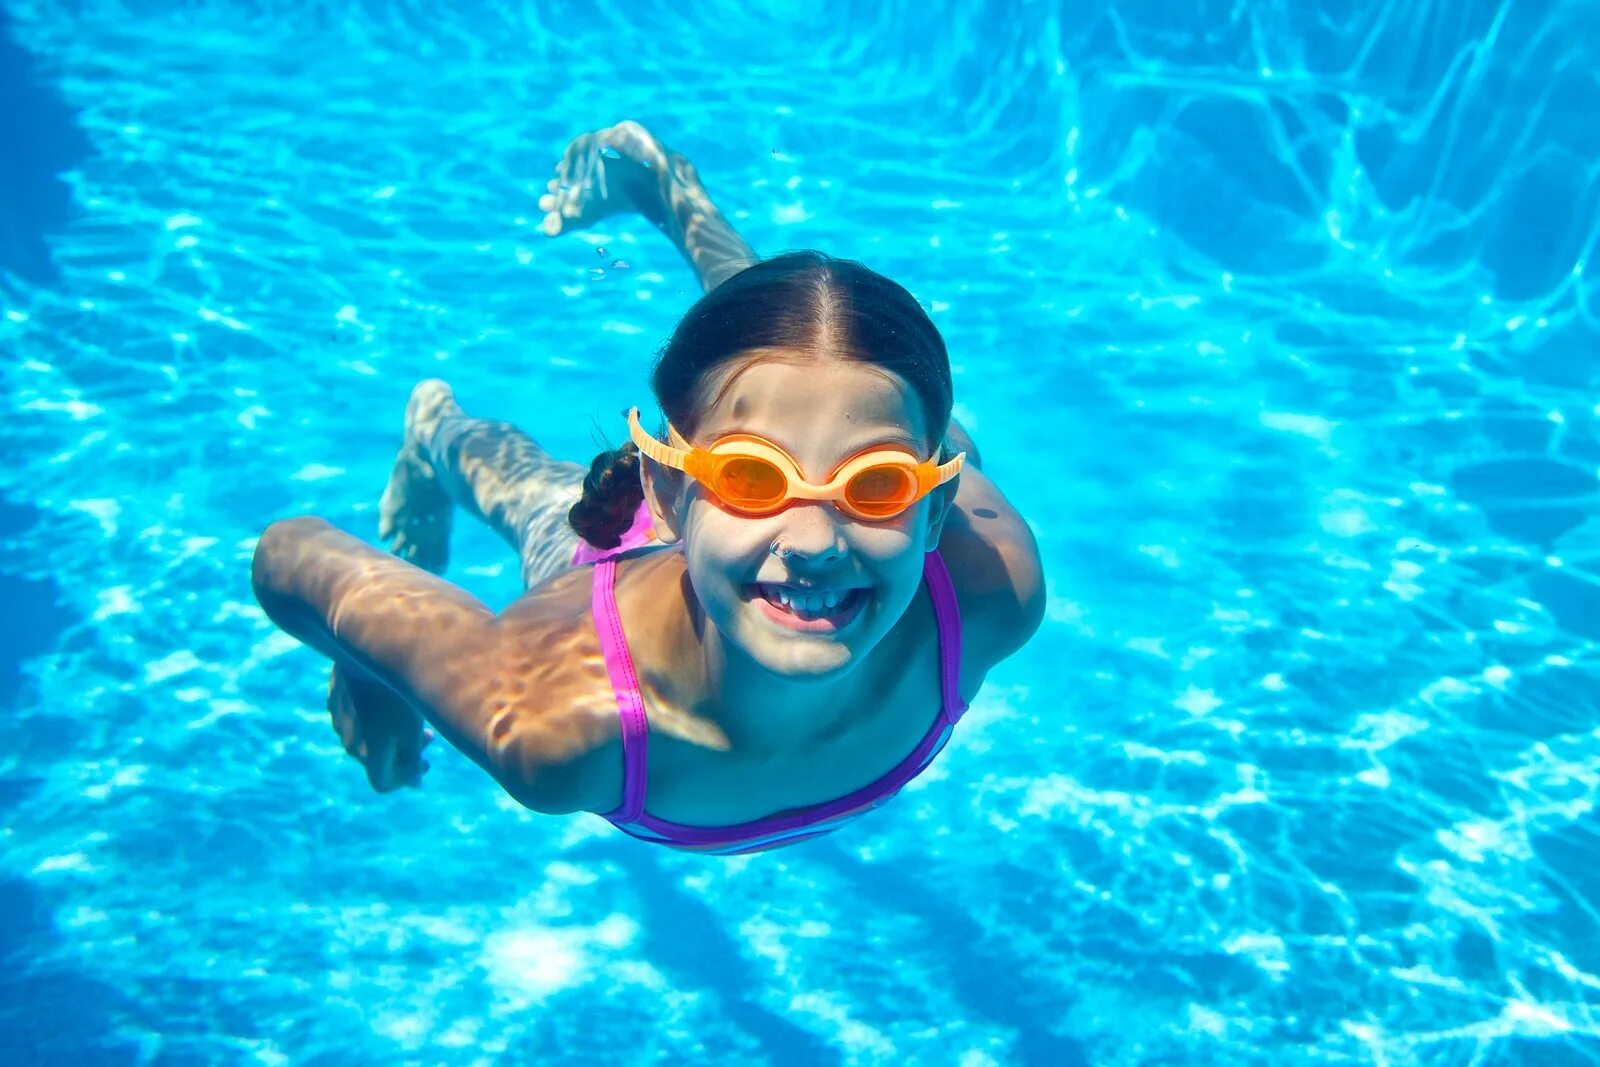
x=821 y=413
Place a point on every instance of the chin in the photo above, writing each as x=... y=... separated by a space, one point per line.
x=798 y=657
x=807 y=664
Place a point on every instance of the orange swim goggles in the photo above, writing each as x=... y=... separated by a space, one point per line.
x=750 y=475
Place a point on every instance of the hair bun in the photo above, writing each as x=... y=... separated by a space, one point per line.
x=611 y=497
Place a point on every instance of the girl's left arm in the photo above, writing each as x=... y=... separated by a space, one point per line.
x=994 y=560
x=701 y=231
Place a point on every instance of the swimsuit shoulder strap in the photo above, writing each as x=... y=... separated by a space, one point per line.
x=625 y=684
x=947 y=614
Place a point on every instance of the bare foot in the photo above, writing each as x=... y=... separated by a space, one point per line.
x=618 y=169
x=414 y=514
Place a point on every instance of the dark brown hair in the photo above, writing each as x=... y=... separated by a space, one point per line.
x=800 y=301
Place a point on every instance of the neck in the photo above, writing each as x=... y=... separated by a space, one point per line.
x=765 y=714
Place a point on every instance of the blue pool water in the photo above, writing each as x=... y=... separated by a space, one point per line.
x=1277 y=320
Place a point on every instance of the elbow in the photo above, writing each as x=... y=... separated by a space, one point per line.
x=543 y=793
x=273 y=563
x=1026 y=614
x=1033 y=609
x=266 y=565
x=277 y=540
x=547 y=782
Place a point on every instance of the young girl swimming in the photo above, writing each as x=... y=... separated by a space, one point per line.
x=738 y=633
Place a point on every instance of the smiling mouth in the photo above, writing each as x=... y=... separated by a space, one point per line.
x=809 y=606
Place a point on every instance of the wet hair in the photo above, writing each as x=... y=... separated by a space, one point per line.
x=805 y=302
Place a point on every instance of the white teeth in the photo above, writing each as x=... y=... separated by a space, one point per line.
x=812 y=603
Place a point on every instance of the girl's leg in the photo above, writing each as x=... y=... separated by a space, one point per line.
x=493 y=470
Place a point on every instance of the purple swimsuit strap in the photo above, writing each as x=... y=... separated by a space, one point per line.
x=625 y=683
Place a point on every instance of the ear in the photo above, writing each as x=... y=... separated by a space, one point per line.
x=662 y=491
x=940 y=503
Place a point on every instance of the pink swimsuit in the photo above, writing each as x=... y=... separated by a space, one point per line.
x=785 y=827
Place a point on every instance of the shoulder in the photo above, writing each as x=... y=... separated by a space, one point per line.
x=549 y=674
x=995 y=567
x=552 y=662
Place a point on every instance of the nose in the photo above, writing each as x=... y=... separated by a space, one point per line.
x=809 y=535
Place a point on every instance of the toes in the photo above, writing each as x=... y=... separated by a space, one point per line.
x=552 y=224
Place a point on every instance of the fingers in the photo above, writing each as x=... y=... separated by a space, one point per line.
x=581 y=177
x=387 y=747
x=406 y=767
x=415 y=781
x=380 y=759
x=559 y=204
x=342 y=714
x=626 y=155
x=572 y=173
x=411 y=766
x=550 y=203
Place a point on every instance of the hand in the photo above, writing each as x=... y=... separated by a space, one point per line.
x=379 y=729
x=620 y=168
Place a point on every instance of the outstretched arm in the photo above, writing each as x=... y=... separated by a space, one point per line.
x=627 y=168
x=406 y=646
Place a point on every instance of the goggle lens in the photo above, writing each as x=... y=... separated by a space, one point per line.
x=879 y=492
x=758 y=486
x=751 y=483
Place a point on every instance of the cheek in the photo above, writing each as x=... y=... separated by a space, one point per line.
x=719 y=551
x=894 y=559
x=721 y=540
x=890 y=546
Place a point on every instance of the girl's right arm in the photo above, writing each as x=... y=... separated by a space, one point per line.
x=383 y=621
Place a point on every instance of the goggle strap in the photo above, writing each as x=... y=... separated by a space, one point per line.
x=944 y=472
x=663 y=454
